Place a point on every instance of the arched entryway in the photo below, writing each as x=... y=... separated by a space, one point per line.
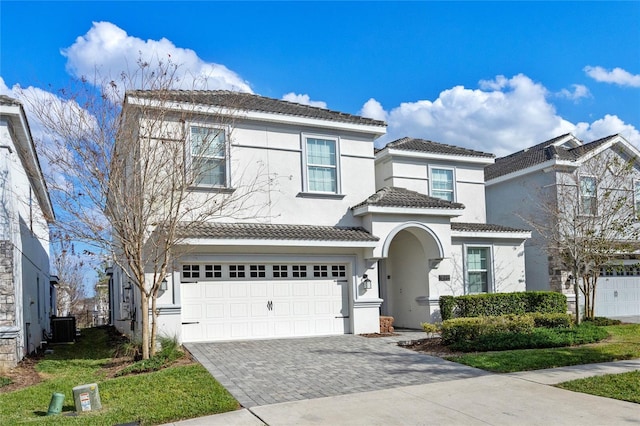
x=404 y=273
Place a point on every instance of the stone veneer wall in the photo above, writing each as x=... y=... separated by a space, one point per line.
x=8 y=345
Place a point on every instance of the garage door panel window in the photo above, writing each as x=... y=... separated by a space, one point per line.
x=219 y=271
x=257 y=271
x=280 y=271
x=620 y=271
x=236 y=271
x=299 y=271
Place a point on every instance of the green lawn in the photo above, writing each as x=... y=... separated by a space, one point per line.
x=163 y=396
x=623 y=343
x=625 y=386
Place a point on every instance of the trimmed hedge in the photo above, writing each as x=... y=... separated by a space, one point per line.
x=495 y=304
x=469 y=329
x=537 y=339
x=551 y=320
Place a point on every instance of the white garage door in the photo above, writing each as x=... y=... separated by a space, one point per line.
x=245 y=301
x=618 y=292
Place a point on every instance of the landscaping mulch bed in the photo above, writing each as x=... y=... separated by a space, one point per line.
x=432 y=346
x=23 y=375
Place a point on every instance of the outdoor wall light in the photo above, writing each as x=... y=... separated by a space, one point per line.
x=163 y=284
x=366 y=282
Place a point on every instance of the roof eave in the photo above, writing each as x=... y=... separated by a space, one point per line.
x=389 y=152
x=507 y=235
x=545 y=166
x=365 y=210
x=275 y=243
x=375 y=130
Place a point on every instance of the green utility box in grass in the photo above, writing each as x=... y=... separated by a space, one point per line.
x=87 y=398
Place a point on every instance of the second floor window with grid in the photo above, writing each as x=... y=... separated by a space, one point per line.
x=588 y=194
x=322 y=165
x=442 y=184
x=208 y=156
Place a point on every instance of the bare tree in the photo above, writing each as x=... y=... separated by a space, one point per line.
x=588 y=220
x=70 y=269
x=124 y=162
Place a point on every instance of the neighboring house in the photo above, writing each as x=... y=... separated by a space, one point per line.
x=350 y=233
x=517 y=185
x=26 y=294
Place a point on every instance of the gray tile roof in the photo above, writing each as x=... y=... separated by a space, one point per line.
x=538 y=154
x=260 y=231
x=422 y=145
x=400 y=197
x=483 y=227
x=250 y=102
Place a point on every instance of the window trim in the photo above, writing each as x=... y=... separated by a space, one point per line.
x=490 y=269
x=190 y=157
x=594 y=197
x=305 y=164
x=453 y=177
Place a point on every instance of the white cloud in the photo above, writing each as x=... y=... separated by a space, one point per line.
x=373 y=109
x=109 y=51
x=304 y=100
x=616 y=76
x=579 y=91
x=503 y=116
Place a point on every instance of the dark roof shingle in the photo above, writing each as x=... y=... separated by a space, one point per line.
x=538 y=154
x=480 y=227
x=400 y=197
x=261 y=231
x=251 y=102
x=422 y=145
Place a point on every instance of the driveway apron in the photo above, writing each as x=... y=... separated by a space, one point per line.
x=261 y=372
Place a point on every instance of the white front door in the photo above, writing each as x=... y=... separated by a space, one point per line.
x=264 y=308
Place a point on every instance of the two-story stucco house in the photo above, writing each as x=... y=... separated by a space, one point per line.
x=517 y=185
x=26 y=294
x=350 y=233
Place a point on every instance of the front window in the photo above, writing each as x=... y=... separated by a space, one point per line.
x=322 y=165
x=477 y=269
x=208 y=156
x=588 y=195
x=442 y=184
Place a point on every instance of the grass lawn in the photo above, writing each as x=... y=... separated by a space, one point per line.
x=623 y=343
x=170 y=394
x=625 y=386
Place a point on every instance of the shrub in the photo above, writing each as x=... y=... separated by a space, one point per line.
x=447 y=305
x=602 y=321
x=430 y=328
x=169 y=352
x=494 y=304
x=461 y=329
x=551 y=320
x=537 y=339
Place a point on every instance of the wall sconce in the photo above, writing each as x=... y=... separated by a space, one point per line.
x=163 y=284
x=366 y=282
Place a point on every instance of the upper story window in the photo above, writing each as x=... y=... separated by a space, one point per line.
x=588 y=194
x=442 y=184
x=208 y=156
x=322 y=165
x=478 y=270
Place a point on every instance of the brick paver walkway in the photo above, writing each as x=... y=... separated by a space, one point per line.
x=261 y=372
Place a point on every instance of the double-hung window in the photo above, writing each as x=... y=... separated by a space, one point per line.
x=478 y=269
x=208 y=156
x=588 y=194
x=322 y=168
x=442 y=185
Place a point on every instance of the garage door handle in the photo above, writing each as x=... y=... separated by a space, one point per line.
x=343 y=317
x=193 y=322
x=270 y=305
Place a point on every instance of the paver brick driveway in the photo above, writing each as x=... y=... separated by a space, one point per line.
x=261 y=372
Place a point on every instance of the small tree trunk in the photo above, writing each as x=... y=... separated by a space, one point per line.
x=144 y=307
x=576 y=290
x=154 y=324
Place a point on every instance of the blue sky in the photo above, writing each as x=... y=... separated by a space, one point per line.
x=495 y=76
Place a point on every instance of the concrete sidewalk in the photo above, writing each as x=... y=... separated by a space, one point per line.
x=517 y=398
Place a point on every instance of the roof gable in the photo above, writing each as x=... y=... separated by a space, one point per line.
x=561 y=148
